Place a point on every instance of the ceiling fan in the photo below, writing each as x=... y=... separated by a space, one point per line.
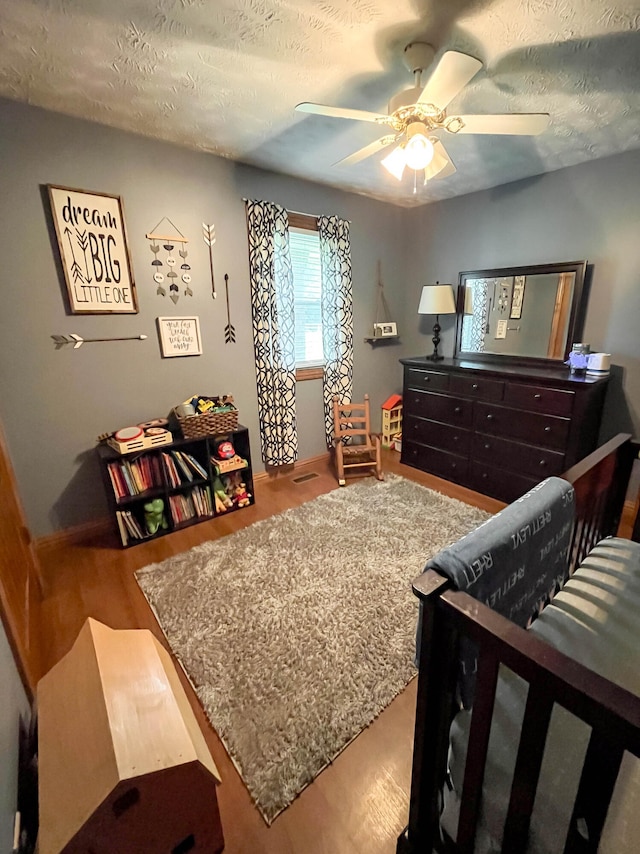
x=417 y=113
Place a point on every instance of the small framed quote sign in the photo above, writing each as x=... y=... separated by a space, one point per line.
x=179 y=336
x=93 y=250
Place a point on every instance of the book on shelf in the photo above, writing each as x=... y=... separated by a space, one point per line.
x=122 y=528
x=129 y=526
x=183 y=466
x=188 y=506
x=133 y=477
x=170 y=468
x=195 y=465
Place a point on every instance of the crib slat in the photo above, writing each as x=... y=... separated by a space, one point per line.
x=533 y=736
x=597 y=782
x=485 y=693
x=434 y=712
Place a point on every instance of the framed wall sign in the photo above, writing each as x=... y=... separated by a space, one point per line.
x=518 y=297
x=179 y=336
x=93 y=250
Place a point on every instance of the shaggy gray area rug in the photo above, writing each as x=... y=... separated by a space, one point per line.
x=297 y=631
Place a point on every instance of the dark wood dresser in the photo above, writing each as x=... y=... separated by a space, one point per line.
x=498 y=430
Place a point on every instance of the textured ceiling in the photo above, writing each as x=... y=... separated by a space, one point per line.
x=225 y=75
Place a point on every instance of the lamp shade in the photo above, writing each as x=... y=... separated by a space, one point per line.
x=437 y=299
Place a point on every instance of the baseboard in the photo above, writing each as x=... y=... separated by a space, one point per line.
x=293 y=468
x=79 y=534
x=89 y=531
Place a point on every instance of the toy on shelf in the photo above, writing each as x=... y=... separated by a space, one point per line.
x=154 y=517
x=391 y=420
x=224 y=449
x=234 y=463
x=223 y=501
x=236 y=489
x=138 y=437
x=240 y=496
x=225 y=459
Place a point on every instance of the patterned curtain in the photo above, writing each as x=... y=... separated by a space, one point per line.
x=273 y=330
x=337 y=315
x=474 y=326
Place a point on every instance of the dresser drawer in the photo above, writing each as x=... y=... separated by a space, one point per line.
x=498 y=483
x=440 y=463
x=477 y=387
x=438 y=435
x=547 y=431
x=523 y=459
x=416 y=378
x=439 y=407
x=555 y=401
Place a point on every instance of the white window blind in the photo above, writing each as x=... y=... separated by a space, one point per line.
x=304 y=246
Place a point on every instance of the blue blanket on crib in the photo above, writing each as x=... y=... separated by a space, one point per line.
x=514 y=562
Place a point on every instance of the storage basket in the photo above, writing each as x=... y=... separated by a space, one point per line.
x=207 y=423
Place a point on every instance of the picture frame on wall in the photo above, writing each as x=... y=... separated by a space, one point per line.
x=94 y=253
x=179 y=336
x=517 y=298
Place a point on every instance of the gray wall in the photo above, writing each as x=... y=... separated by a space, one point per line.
x=591 y=212
x=54 y=404
x=13 y=707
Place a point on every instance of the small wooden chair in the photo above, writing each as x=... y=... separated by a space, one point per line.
x=354 y=445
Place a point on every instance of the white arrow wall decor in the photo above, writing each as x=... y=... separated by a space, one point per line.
x=78 y=340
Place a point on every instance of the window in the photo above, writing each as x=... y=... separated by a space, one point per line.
x=304 y=245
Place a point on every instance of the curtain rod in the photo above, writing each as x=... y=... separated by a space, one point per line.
x=300 y=213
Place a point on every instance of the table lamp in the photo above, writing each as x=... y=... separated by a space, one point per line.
x=436 y=299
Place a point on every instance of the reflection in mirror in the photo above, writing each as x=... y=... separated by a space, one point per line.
x=520 y=312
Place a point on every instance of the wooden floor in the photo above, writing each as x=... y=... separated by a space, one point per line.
x=359 y=804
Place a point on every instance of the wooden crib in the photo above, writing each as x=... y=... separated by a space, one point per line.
x=553 y=677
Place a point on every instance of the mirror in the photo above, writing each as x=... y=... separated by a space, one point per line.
x=528 y=313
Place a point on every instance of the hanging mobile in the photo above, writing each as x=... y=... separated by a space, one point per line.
x=229 y=330
x=209 y=237
x=168 y=244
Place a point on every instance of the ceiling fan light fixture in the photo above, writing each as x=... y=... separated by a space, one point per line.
x=419 y=148
x=395 y=162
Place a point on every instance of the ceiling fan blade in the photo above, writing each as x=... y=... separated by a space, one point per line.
x=441 y=166
x=341 y=112
x=451 y=74
x=368 y=150
x=525 y=124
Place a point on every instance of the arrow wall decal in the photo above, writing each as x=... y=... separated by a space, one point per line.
x=78 y=340
x=209 y=237
x=229 y=330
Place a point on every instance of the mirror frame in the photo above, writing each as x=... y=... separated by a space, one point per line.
x=576 y=316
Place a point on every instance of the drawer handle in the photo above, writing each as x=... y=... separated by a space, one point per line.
x=543 y=462
x=547 y=429
x=453 y=465
x=457 y=409
x=484 y=475
x=487 y=446
x=475 y=385
x=537 y=396
x=455 y=438
x=489 y=417
x=427 y=379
